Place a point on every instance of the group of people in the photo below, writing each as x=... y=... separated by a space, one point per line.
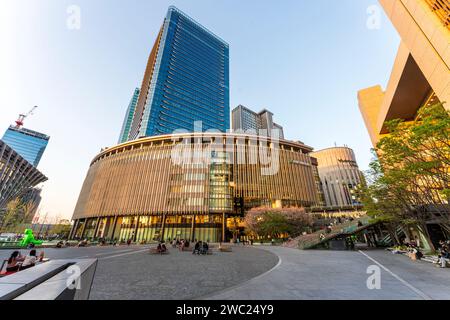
x=18 y=262
x=201 y=247
x=180 y=244
x=161 y=248
x=62 y=244
x=414 y=251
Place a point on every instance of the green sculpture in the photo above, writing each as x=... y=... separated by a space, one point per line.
x=28 y=238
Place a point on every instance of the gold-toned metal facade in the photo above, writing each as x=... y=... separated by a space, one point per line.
x=442 y=10
x=146 y=184
x=340 y=176
x=421 y=71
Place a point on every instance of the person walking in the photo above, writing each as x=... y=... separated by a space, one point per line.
x=181 y=247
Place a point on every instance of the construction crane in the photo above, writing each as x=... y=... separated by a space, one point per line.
x=19 y=121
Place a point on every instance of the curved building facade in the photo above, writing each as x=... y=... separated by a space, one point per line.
x=188 y=185
x=339 y=176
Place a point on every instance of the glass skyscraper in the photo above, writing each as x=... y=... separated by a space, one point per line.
x=124 y=133
x=27 y=143
x=186 y=80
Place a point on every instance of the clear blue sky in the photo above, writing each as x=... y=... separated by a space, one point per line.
x=303 y=60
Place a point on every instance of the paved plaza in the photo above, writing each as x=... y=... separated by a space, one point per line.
x=256 y=273
x=315 y=274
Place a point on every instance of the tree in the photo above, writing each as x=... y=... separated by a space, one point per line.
x=269 y=222
x=11 y=217
x=380 y=203
x=409 y=183
x=234 y=228
x=17 y=214
x=28 y=209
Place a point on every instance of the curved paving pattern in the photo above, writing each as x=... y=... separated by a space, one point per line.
x=178 y=275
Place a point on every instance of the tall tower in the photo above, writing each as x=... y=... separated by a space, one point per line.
x=28 y=143
x=186 y=80
x=126 y=126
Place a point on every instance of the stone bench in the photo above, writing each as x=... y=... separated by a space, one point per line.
x=51 y=281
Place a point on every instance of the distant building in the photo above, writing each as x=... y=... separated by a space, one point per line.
x=124 y=133
x=17 y=175
x=27 y=143
x=339 y=176
x=245 y=119
x=186 y=80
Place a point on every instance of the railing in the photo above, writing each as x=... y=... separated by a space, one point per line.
x=442 y=9
x=313 y=239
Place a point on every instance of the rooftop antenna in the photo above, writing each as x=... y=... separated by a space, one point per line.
x=19 y=121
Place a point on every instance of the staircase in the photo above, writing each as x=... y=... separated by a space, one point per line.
x=387 y=240
x=313 y=239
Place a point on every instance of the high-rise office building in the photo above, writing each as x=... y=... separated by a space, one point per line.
x=27 y=143
x=186 y=80
x=245 y=119
x=126 y=126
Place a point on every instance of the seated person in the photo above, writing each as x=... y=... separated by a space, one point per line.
x=197 y=248
x=204 y=247
x=161 y=248
x=82 y=243
x=441 y=261
x=13 y=262
x=31 y=259
x=415 y=252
